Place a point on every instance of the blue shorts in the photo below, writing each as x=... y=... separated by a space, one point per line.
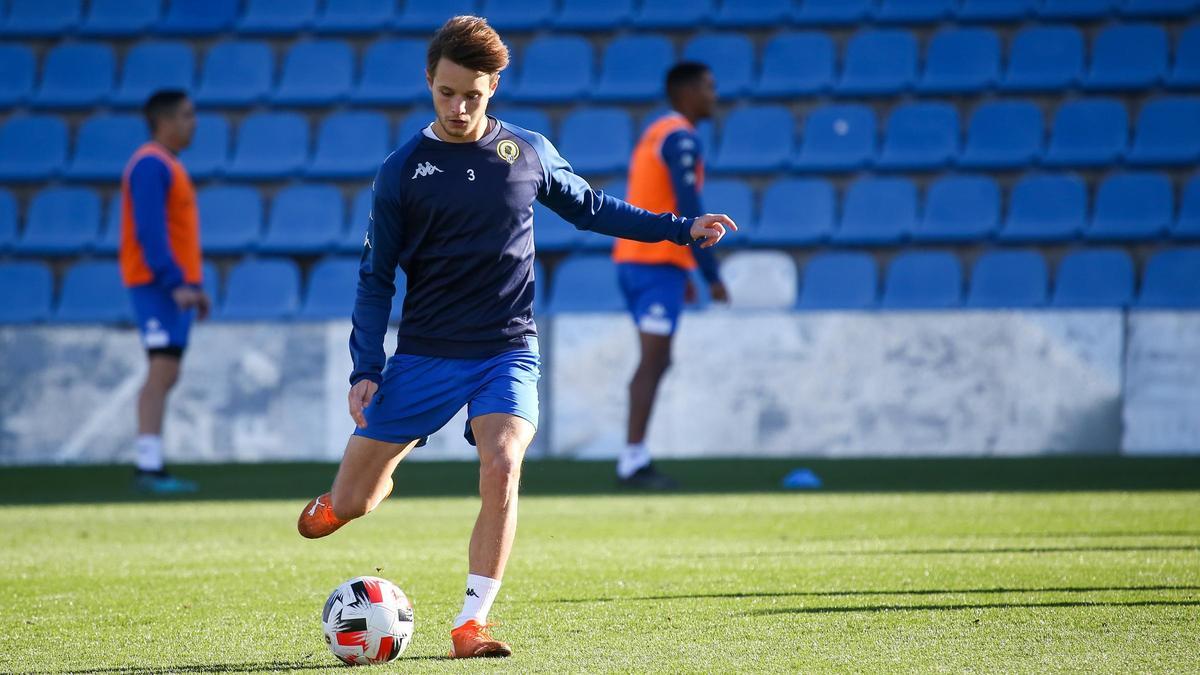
x=654 y=295
x=160 y=322
x=420 y=394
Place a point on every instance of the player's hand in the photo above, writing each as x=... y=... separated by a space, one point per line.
x=711 y=227
x=203 y=305
x=186 y=297
x=689 y=292
x=360 y=397
x=718 y=292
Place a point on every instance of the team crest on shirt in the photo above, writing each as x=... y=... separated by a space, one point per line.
x=508 y=151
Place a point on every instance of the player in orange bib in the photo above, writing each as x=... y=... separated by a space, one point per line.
x=666 y=175
x=161 y=267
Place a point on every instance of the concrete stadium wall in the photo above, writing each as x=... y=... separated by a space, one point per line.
x=763 y=383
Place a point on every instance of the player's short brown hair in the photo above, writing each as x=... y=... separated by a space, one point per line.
x=471 y=43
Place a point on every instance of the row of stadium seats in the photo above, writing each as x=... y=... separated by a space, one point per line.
x=919 y=136
x=270 y=289
x=561 y=68
x=311 y=219
x=115 y=18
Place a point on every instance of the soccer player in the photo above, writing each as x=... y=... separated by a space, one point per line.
x=666 y=175
x=161 y=267
x=453 y=207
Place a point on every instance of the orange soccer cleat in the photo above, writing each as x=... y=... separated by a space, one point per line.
x=317 y=519
x=472 y=640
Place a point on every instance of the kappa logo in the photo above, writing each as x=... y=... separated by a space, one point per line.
x=425 y=169
x=471 y=593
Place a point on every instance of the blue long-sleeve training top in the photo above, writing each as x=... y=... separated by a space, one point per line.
x=457 y=218
x=149 y=182
x=681 y=154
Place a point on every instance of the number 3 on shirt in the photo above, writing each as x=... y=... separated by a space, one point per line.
x=470 y=174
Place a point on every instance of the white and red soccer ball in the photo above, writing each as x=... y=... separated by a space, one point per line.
x=367 y=620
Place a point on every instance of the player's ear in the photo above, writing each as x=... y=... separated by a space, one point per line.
x=495 y=81
x=429 y=79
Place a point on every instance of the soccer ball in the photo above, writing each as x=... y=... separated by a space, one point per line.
x=367 y=620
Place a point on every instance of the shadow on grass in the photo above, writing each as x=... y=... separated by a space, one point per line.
x=916 y=591
x=248 y=667
x=98 y=484
x=997 y=605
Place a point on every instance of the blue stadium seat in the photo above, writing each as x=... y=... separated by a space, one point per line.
x=796 y=63
x=422 y=16
x=61 y=221
x=879 y=62
x=995 y=10
x=597 y=140
x=92 y=293
x=877 y=211
x=555 y=70
x=796 y=212
x=1168 y=132
x=393 y=73
x=350 y=145
x=236 y=73
x=1003 y=135
x=1044 y=58
x=915 y=11
x=730 y=57
x=755 y=139
x=589 y=15
x=360 y=215
x=231 y=219
x=1187 y=226
x=837 y=138
x=1094 y=278
x=32 y=148
x=17 y=67
x=78 y=75
x=532 y=119
x=832 y=12
x=199 y=17
x=261 y=290
x=1075 y=9
x=1013 y=279
x=757 y=14
x=634 y=69
x=1128 y=57
x=104 y=145
x=270 y=145
x=959 y=209
x=1132 y=206
x=151 y=66
x=211 y=282
x=332 y=287
x=109 y=239
x=923 y=280
x=920 y=136
x=208 y=154
x=1172 y=279
x=316 y=74
x=551 y=233
x=28 y=289
x=412 y=124
x=1186 y=72
x=277 y=17
x=41 y=18
x=120 y=18
x=839 y=281
x=673 y=14
x=1046 y=208
x=8 y=220
x=518 y=15
x=357 y=16
x=734 y=198
x=1159 y=9
x=305 y=219
x=961 y=60
x=586 y=283
x=1088 y=133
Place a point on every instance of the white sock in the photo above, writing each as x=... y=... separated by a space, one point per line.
x=633 y=457
x=149 y=452
x=481 y=593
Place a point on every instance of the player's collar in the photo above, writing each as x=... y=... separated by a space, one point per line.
x=493 y=130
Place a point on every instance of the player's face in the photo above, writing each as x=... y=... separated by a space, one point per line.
x=460 y=97
x=706 y=95
x=182 y=124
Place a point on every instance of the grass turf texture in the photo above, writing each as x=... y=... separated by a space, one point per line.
x=897 y=566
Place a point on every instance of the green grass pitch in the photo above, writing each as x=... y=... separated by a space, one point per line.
x=1080 y=565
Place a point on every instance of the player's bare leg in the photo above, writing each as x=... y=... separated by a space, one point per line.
x=364 y=479
x=633 y=467
x=162 y=373
x=502 y=440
